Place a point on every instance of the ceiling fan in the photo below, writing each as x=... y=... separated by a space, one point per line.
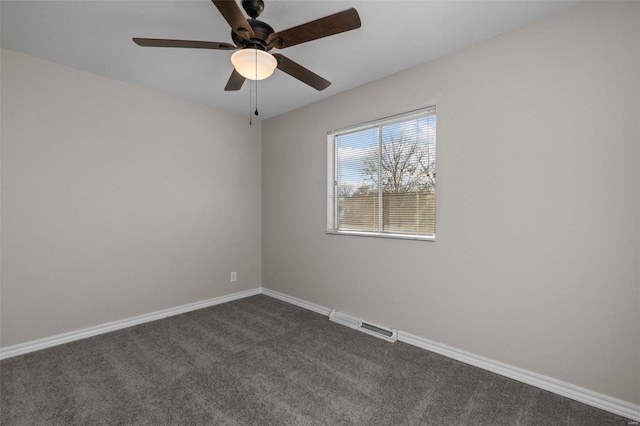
x=253 y=39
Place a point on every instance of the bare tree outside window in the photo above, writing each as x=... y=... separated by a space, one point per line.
x=399 y=166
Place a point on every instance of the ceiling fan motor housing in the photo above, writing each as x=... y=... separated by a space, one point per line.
x=262 y=31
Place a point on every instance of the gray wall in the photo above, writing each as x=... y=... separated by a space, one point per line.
x=535 y=262
x=118 y=201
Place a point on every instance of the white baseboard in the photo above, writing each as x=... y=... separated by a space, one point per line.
x=59 y=339
x=594 y=399
x=298 y=302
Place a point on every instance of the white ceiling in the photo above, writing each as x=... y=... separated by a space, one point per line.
x=96 y=36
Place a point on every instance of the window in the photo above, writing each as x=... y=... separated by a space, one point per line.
x=381 y=177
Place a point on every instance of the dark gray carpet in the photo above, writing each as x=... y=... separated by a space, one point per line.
x=264 y=362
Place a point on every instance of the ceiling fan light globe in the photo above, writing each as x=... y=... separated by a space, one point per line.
x=254 y=64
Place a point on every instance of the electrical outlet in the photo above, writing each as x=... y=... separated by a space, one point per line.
x=233 y=277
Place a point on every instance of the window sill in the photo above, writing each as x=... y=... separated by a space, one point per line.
x=383 y=235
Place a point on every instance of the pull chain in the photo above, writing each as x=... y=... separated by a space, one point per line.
x=251 y=91
x=250 y=99
x=256 y=112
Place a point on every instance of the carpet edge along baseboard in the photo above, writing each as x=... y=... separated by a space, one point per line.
x=574 y=392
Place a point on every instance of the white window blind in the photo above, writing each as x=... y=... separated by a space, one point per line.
x=381 y=177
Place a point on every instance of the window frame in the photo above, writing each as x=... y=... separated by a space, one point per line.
x=332 y=174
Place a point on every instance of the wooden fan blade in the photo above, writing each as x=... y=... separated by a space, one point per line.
x=301 y=73
x=190 y=44
x=329 y=25
x=234 y=16
x=235 y=81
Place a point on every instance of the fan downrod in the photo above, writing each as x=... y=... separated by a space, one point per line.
x=253 y=7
